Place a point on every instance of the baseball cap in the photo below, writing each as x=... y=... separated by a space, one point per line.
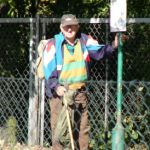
x=69 y=19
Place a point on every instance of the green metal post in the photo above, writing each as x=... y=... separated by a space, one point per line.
x=118 y=131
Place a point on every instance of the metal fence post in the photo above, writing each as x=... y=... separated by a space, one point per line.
x=42 y=96
x=37 y=82
x=118 y=131
x=106 y=96
x=33 y=101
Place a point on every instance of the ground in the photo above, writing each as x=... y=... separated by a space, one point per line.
x=22 y=147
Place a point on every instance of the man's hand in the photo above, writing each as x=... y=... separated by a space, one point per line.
x=60 y=90
x=115 y=42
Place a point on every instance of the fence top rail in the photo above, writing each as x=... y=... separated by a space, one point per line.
x=17 y=20
x=97 y=20
x=81 y=20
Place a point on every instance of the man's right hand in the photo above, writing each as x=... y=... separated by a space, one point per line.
x=60 y=90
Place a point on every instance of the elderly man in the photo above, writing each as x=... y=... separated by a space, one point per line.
x=66 y=59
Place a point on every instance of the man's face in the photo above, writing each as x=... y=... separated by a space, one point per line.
x=69 y=31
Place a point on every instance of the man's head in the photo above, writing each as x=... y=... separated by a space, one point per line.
x=69 y=26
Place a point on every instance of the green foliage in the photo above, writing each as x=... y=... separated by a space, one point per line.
x=17 y=49
x=83 y=8
x=138 y=9
x=136 y=52
x=98 y=141
x=135 y=125
x=130 y=129
x=11 y=125
x=25 y=8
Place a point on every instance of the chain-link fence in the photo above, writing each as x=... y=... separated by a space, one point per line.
x=20 y=90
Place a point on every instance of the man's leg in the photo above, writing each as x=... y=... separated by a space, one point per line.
x=82 y=121
x=55 y=107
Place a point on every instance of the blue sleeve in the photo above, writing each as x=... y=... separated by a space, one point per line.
x=97 y=51
x=103 y=52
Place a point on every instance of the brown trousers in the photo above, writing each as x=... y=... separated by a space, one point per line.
x=81 y=126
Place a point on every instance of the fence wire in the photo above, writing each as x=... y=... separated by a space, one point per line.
x=17 y=82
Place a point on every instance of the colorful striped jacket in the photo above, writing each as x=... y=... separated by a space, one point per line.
x=53 y=57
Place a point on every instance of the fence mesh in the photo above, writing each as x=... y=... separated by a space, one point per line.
x=16 y=78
